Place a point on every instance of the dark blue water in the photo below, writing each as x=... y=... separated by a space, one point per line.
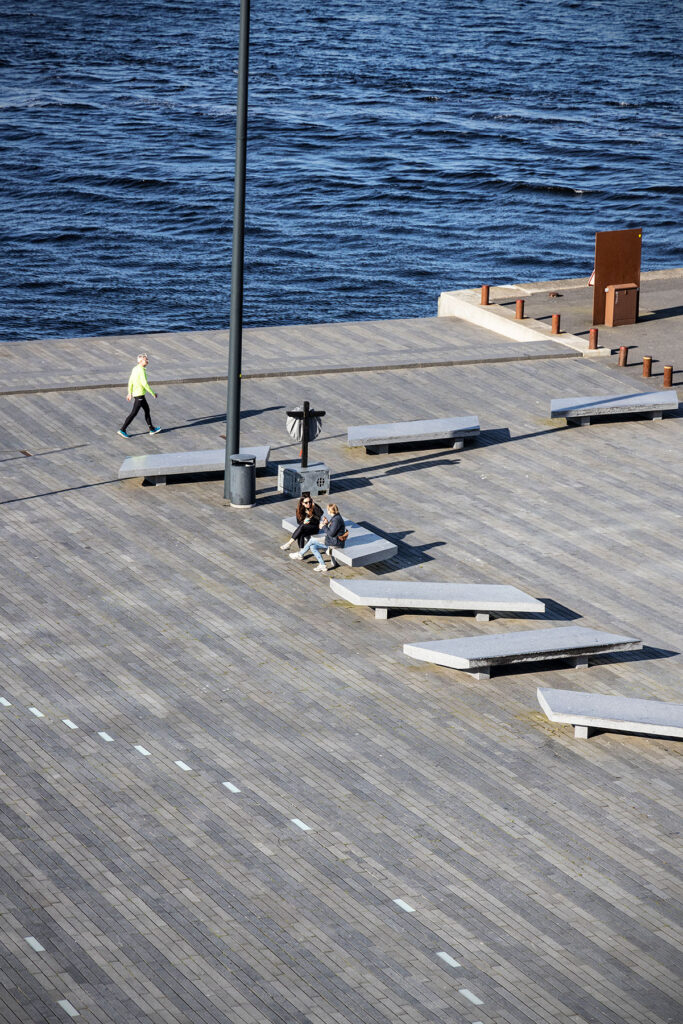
x=397 y=149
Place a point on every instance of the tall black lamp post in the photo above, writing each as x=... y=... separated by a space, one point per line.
x=232 y=418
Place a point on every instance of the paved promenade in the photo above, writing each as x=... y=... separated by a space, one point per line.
x=228 y=796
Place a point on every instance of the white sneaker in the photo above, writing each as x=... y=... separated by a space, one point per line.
x=320 y=568
x=297 y=554
x=283 y=547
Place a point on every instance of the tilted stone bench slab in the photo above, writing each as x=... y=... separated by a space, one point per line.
x=590 y=711
x=583 y=410
x=482 y=599
x=479 y=654
x=377 y=437
x=156 y=468
x=362 y=548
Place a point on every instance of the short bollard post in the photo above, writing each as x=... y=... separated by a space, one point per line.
x=647 y=366
x=484 y=295
x=593 y=338
x=623 y=355
x=555 y=329
x=519 y=309
x=668 y=372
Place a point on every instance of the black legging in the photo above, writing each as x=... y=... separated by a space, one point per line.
x=139 y=402
x=303 y=531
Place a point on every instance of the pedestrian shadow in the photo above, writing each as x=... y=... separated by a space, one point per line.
x=245 y=414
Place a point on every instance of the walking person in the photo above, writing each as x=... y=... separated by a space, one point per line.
x=336 y=535
x=138 y=388
x=307 y=522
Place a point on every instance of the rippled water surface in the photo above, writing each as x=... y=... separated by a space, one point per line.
x=396 y=149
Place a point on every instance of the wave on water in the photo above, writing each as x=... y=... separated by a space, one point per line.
x=393 y=153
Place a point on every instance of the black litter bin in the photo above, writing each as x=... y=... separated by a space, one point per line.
x=242 y=481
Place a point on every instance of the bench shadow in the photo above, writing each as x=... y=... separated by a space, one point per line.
x=595 y=732
x=407 y=556
x=644 y=654
x=502 y=435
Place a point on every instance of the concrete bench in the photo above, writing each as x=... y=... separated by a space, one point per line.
x=479 y=654
x=156 y=468
x=482 y=599
x=588 y=712
x=362 y=548
x=583 y=410
x=377 y=438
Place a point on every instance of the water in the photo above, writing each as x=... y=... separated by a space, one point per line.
x=396 y=150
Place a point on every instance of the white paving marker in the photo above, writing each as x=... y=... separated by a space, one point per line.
x=5 y=703
x=300 y=824
x=36 y=712
x=34 y=944
x=71 y=725
x=141 y=750
x=471 y=996
x=68 y=1008
x=405 y=906
x=183 y=766
x=449 y=960
x=106 y=737
x=229 y=785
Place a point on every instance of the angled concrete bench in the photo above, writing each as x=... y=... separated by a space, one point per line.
x=479 y=654
x=588 y=712
x=377 y=437
x=583 y=410
x=483 y=599
x=362 y=548
x=156 y=468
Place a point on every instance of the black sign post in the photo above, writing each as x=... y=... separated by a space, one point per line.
x=305 y=415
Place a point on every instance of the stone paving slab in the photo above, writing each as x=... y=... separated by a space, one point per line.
x=161 y=621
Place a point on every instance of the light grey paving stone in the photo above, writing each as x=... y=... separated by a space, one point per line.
x=590 y=711
x=482 y=598
x=478 y=654
x=159 y=466
x=586 y=408
x=363 y=547
x=379 y=436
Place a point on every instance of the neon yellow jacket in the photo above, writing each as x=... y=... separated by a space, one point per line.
x=137 y=383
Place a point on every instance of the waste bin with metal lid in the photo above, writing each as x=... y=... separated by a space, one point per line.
x=242 y=481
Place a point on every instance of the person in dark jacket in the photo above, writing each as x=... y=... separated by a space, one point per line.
x=335 y=528
x=307 y=522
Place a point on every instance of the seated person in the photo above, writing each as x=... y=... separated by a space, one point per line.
x=335 y=536
x=308 y=521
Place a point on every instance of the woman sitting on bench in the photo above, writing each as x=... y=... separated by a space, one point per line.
x=335 y=536
x=308 y=522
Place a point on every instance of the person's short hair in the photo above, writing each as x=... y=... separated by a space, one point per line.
x=143 y=355
x=334 y=509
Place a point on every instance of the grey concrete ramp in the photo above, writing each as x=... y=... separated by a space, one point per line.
x=362 y=548
x=479 y=654
x=156 y=468
x=378 y=436
x=483 y=599
x=584 y=409
x=590 y=711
